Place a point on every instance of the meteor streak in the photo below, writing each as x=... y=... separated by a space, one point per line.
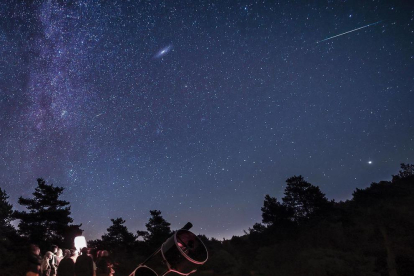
x=350 y=31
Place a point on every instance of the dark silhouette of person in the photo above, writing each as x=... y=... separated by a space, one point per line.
x=93 y=261
x=74 y=254
x=104 y=265
x=84 y=264
x=67 y=265
x=34 y=261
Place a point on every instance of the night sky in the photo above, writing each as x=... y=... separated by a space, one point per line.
x=201 y=108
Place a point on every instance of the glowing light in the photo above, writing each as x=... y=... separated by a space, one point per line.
x=163 y=51
x=80 y=242
x=370 y=162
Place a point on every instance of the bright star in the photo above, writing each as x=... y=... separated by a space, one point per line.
x=370 y=162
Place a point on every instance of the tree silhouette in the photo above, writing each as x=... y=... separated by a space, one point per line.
x=305 y=199
x=302 y=201
x=257 y=228
x=48 y=218
x=388 y=209
x=158 y=229
x=123 y=246
x=407 y=171
x=274 y=212
x=6 y=213
x=118 y=235
x=9 y=261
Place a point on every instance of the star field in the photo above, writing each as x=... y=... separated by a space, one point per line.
x=200 y=108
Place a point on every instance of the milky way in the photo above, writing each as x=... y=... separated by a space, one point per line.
x=201 y=108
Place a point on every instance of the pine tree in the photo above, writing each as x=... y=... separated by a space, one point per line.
x=158 y=229
x=11 y=259
x=406 y=172
x=48 y=218
x=275 y=213
x=305 y=199
x=6 y=212
x=118 y=235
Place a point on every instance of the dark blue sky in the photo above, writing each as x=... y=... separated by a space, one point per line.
x=200 y=108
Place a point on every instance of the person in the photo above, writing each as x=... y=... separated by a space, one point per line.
x=104 y=265
x=45 y=266
x=74 y=254
x=34 y=261
x=66 y=253
x=84 y=264
x=93 y=261
x=53 y=262
x=59 y=256
x=67 y=265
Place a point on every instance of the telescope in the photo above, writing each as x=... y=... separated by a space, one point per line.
x=180 y=254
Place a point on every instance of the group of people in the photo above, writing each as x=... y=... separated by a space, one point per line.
x=55 y=263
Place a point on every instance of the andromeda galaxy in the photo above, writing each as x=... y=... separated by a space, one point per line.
x=163 y=51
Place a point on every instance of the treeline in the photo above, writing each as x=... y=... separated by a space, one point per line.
x=303 y=233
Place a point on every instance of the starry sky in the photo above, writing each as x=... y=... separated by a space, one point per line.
x=201 y=108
